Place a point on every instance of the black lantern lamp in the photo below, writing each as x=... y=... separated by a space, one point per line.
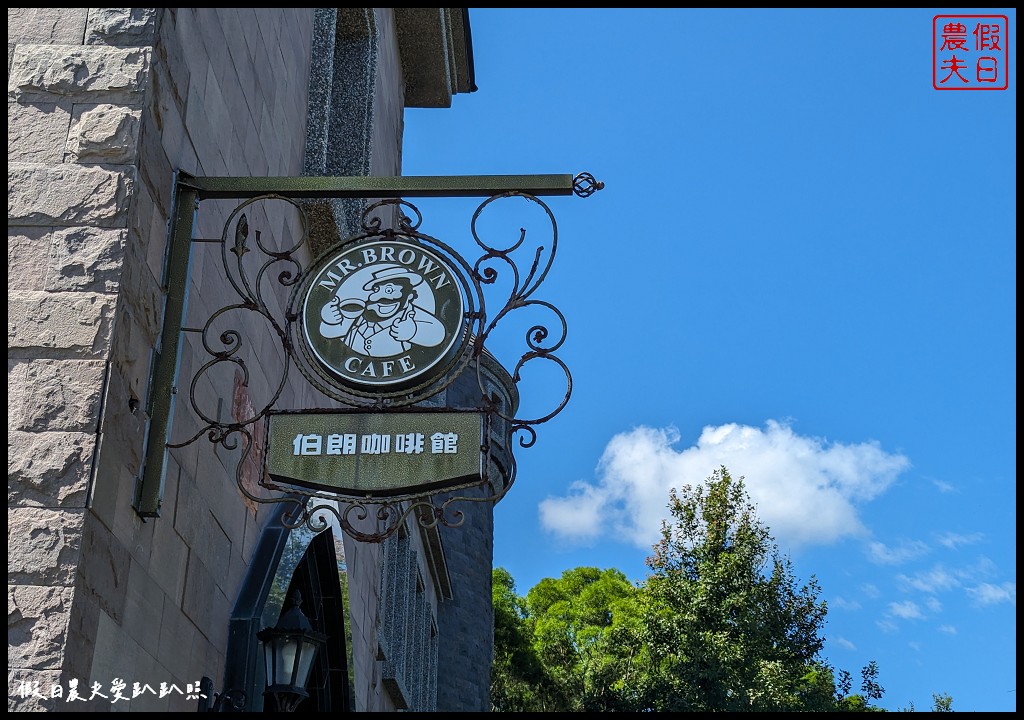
x=289 y=649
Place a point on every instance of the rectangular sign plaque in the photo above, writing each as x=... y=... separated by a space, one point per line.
x=376 y=454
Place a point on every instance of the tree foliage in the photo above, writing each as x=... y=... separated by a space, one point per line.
x=520 y=681
x=720 y=624
x=729 y=626
x=578 y=624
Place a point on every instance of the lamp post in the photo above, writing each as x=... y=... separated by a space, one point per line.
x=289 y=649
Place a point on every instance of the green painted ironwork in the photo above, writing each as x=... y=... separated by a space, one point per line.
x=189 y=191
x=150 y=489
x=380 y=187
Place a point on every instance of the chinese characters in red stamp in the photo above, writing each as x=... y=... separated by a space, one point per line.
x=970 y=52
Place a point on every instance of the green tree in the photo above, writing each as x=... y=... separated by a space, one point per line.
x=720 y=624
x=869 y=690
x=583 y=624
x=520 y=682
x=728 y=626
x=941 y=702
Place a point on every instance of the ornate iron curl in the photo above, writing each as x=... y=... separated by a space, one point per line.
x=541 y=343
x=250 y=291
x=391 y=515
x=385 y=516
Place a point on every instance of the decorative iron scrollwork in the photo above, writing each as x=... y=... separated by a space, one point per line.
x=267 y=283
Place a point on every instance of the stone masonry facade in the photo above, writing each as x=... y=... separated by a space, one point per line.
x=104 y=106
x=77 y=84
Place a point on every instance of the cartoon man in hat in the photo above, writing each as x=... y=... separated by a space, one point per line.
x=386 y=322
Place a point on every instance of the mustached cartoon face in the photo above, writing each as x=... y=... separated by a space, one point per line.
x=387 y=299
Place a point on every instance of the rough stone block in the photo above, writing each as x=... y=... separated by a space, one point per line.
x=140 y=220
x=132 y=351
x=169 y=561
x=28 y=251
x=149 y=671
x=104 y=134
x=120 y=26
x=91 y=74
x=124 y=425
x=78 y=323
x=48 y=469
x=129 y=529
x=56 y=395
x=37 y=624
x=157 y=170
x=32 y=691
x=200 y=530
x=43 y=545
x=141 y=290
x=68 y=194
x=64 y=26
x=86 y=259
x=81 y=640
x=37 y=133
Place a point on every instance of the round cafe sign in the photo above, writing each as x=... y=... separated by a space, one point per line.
x=383 y=315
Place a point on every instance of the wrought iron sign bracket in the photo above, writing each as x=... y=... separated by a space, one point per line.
x=211 y=188
x=189 y=191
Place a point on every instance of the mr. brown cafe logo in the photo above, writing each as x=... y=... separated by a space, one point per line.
x=383 y=314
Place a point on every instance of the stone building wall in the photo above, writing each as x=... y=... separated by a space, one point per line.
x=104 y=106
x=125 y=97
x=77 y=85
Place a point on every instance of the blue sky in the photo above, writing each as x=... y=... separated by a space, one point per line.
x=802 y=267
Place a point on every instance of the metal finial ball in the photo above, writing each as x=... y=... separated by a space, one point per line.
x=585 y=185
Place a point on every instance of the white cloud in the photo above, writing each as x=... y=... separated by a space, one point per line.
x=955 y=540
x=805 y=489
x=887 y=626
x=988 y=594
x=940 y=579
x=908 y=610
x=983 y=567
x=871 y=590
x=948 y=629
x=907 y=550
x=846 y=604
x=937 y=579
x=844 y=643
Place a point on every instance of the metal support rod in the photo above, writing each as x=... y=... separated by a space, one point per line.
x=378 y=187
x=150 y=489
